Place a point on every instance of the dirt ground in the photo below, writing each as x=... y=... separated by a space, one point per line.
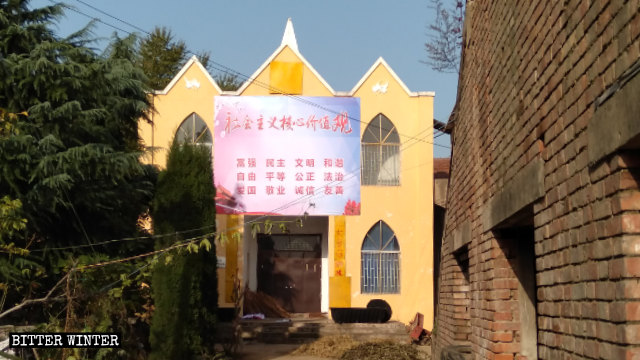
x=257 y=351
x=273 y=351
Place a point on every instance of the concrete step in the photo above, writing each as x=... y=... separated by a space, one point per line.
x=286 y=331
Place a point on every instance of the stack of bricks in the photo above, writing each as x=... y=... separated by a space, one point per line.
x=549 y=88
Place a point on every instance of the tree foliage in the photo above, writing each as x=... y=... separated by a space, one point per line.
x=161 y=57
x=70 y=174
x=445 y=36
x=227 y=81
x=184 y=285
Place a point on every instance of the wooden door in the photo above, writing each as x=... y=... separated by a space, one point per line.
x=289 y=268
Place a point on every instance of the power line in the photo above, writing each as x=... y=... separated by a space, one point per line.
x=187 y=242
x=228 y=70
x=89 y=16
x=222 y=68
x=190 y=241
x=306 y=101
x=115 y=18
x=151 y=237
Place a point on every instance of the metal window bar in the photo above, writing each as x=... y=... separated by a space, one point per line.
x=380 y=272
x=381 y=164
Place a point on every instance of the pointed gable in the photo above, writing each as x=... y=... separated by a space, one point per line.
x=380 y=78
x=260 y=82
x=189 y=93
x=193 y=75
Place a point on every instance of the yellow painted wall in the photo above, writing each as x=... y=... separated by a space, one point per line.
x=175 y=106
x=407 y=209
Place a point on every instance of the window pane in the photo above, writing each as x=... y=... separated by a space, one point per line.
x=389 y=173
x=392 y=245
x=370 y=243
x=390 y=273
x=369 y=277
x=370 y=164
x=202 y=135
x=380 y=153
x=185 y=131
x=387 y=233
x=380 y=266
x=374 y=235
x=194 y=130
x=388 y=131
x=371 y=134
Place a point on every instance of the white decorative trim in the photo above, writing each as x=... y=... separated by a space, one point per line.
x=190 y=84
x=193 y=60
x=289 y=40
x=381 y=62
x=289 y=36
x=380 y=87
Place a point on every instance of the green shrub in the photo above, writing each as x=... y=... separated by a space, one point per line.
x=184 y=283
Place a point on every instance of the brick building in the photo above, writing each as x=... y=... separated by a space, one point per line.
x=541 y=251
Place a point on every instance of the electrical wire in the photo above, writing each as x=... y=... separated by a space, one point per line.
x=228 y=70
x=219 y=67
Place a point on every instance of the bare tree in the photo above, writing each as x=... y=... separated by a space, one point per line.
x=445 y=36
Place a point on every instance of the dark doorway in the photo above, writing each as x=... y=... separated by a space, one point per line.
x=518 y=242
x=289 y=268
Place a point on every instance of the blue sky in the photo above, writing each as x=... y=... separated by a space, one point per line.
x=341 y=39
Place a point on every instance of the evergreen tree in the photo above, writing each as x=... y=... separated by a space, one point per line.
x=161 y=57
x=72 y=158
x=184 y=285
x=228 y=81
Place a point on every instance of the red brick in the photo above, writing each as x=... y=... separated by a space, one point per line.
x=630 y=333
x=629 y=201
x=631 y=223
x=504 y=347
x=503 y=357
x=530 y=93
x=632 y=267
x=502 y=336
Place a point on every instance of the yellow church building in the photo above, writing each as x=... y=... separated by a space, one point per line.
x=380 y=247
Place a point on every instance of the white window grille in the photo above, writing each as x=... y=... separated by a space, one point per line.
x=380 y=271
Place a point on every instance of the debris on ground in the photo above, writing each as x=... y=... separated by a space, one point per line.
x=328 y=347
x=384 y=350
x=258 y=316
x=344 y=347
x=417 y=333
x=259 y=302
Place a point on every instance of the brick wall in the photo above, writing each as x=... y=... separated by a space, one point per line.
x=538 y=81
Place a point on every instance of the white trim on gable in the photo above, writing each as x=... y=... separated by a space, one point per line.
x=288 y=41
x=192 y=60
x=289 y=37
x=383 y=63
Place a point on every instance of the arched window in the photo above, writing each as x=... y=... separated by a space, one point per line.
x=380 y=261
x=193 y=130
x=380 y=153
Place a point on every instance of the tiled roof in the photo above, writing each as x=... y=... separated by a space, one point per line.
x=441 y=168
